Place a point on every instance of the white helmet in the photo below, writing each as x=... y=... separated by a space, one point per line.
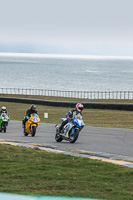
x=79 y=107
x=3 y=108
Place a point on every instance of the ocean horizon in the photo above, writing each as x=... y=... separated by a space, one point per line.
x=66 y=72
x=64 y=56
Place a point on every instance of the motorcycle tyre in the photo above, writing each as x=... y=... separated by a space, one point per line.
x=58 y=137
x=33 y=131
x=25 y=134
x=4 y=127
x=74 y=136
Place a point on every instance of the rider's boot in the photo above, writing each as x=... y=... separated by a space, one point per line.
x=62 y=125
x=60 y=129
x=23 y=124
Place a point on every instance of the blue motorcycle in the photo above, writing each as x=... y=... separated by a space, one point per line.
x=70 y=131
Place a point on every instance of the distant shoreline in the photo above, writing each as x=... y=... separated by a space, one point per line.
x=64 y=56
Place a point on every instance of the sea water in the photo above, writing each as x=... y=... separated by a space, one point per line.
x=66 y=73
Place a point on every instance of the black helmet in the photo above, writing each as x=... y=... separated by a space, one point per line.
x=33 y=107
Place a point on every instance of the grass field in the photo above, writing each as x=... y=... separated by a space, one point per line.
x=91 y=117
x=36 y=172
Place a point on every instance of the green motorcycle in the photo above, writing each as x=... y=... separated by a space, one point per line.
x=4 y=120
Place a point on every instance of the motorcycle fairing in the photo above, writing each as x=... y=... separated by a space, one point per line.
x=30 y=123
x=73 y=131
x=68 y=127
x=33 y=124
x=4 y=119
x=63 y=119
x=72 y=125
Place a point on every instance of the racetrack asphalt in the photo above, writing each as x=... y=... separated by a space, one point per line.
x=94 y=142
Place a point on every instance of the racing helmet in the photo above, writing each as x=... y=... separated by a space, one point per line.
x=3 y=108
x=33 y=107
x=79 y=107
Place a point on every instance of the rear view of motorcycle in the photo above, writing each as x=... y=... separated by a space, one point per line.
x=70 y=131
x=4 y=120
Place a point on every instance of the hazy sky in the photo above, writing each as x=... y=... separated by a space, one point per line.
x=91 y=27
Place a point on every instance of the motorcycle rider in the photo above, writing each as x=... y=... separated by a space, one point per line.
x=76 y=112
x=28 y=113
x=3 y=110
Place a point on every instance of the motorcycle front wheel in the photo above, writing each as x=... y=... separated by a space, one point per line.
x=74 y=137
x=4 y=127
x=33 y=131
x=58 y=137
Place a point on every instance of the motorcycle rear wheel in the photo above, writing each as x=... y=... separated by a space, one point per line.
x=33 y=131
x=74 y=137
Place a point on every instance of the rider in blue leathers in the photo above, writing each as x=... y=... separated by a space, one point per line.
x=77 y=112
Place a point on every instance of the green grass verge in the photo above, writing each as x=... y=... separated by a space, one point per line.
x=91 y=117
x=36 y=172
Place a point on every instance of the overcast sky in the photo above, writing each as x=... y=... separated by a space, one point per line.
x=90 y=27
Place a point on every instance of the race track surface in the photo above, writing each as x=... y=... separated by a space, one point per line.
x=107 y=142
